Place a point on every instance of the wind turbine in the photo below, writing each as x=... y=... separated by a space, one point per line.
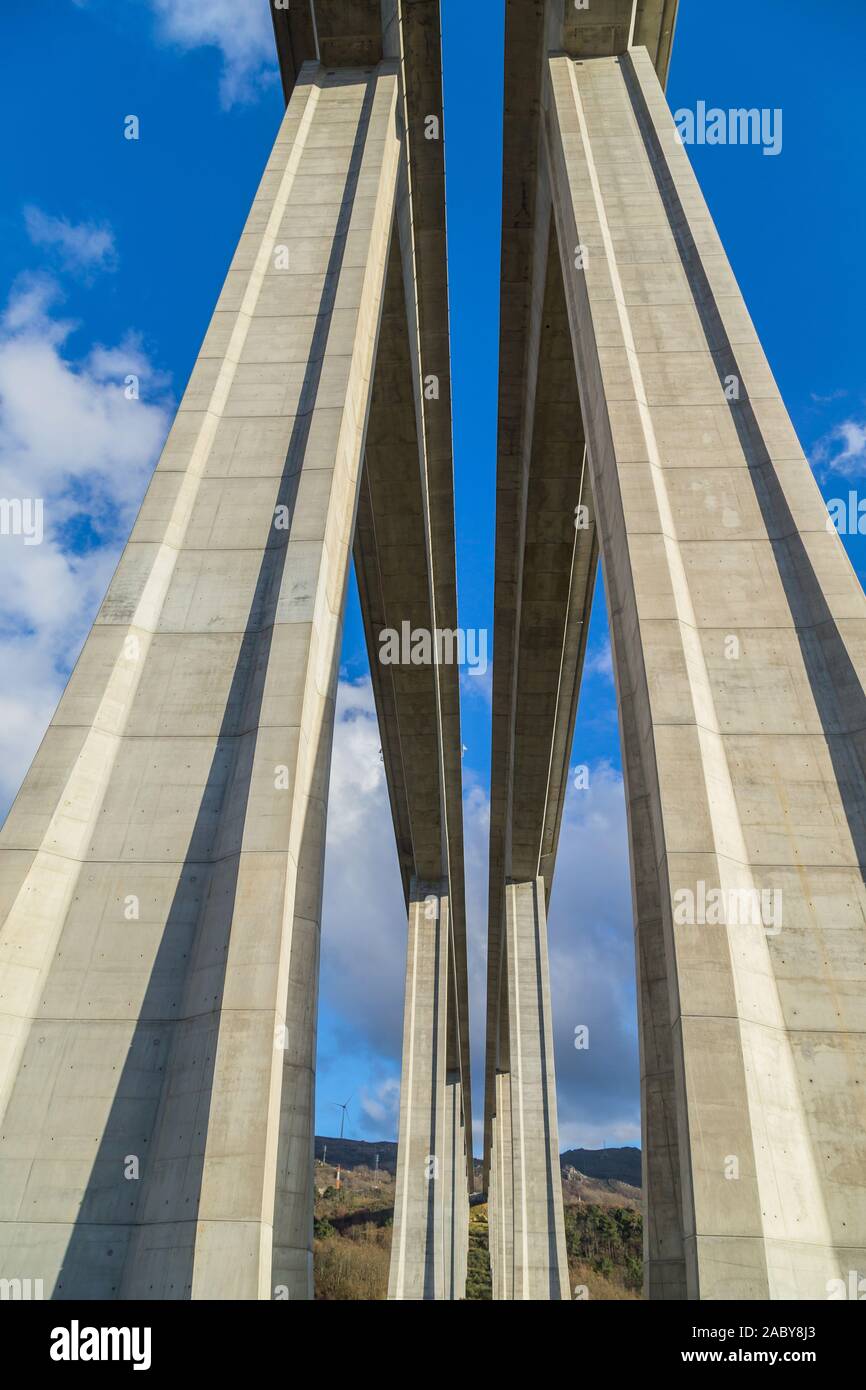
x=342 y=1106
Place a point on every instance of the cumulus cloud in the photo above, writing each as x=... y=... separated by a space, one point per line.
x=477 y=686
x=364 y=916
x=843 y=449
x=380 y=1106
x=240 y=29
x=78 y=246
x=592 y=959
x=72 y=443
x=593 y=970
x=599 y=661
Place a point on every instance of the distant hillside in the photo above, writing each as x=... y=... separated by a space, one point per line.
x=354 y=1215
x=621 y=1165
x=617 y=1165
x=357 y=1153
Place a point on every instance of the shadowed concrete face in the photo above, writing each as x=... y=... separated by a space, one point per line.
x=161 y=870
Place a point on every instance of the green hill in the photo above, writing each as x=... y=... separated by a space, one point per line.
x=622 y=1165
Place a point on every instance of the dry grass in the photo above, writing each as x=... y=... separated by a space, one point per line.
x=351 y=1269
x=598 y=1286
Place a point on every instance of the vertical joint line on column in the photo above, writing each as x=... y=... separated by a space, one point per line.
x=315 y=30
x=632 y=23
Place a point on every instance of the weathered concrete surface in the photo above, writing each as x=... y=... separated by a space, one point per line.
x=546 y=545
x=528 y=1257
x=162 y=865
x=161 y=870
x=431 y=1205
x=500 y=1193
x=738 y=632
x=404 y=548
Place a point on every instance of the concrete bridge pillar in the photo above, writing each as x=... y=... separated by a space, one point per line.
x=738 y=630
x=161 y=869
x=527 y=1233
x=431 y=1212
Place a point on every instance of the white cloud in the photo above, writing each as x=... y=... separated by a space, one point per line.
x=364 y=916
x=592 y=958
x=592 y=968
x=240 y=29
x=380 y=1107
x=477 y=686
x=843 y=450
x=832 y=396
x=69 y=437
x=599 y=662
x=78 y=245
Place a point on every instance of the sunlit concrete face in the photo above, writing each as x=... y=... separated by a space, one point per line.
x=162 y=865
x=737 y=630
x=430 y=1240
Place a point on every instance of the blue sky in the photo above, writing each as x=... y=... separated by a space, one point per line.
x=111 y=257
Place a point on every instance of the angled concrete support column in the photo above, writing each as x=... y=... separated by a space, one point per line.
x=739 y=640
x=161 y=869
x=431 y=1215
x=539 y=1263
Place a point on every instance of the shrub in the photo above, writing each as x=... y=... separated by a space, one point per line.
x=348 y=1270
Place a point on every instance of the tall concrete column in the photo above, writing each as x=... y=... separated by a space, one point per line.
x=456 y=1200
x=739 y=639
x=431 y=1214
x=161 y=869
x=500 y=1206
x=539 y=1266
